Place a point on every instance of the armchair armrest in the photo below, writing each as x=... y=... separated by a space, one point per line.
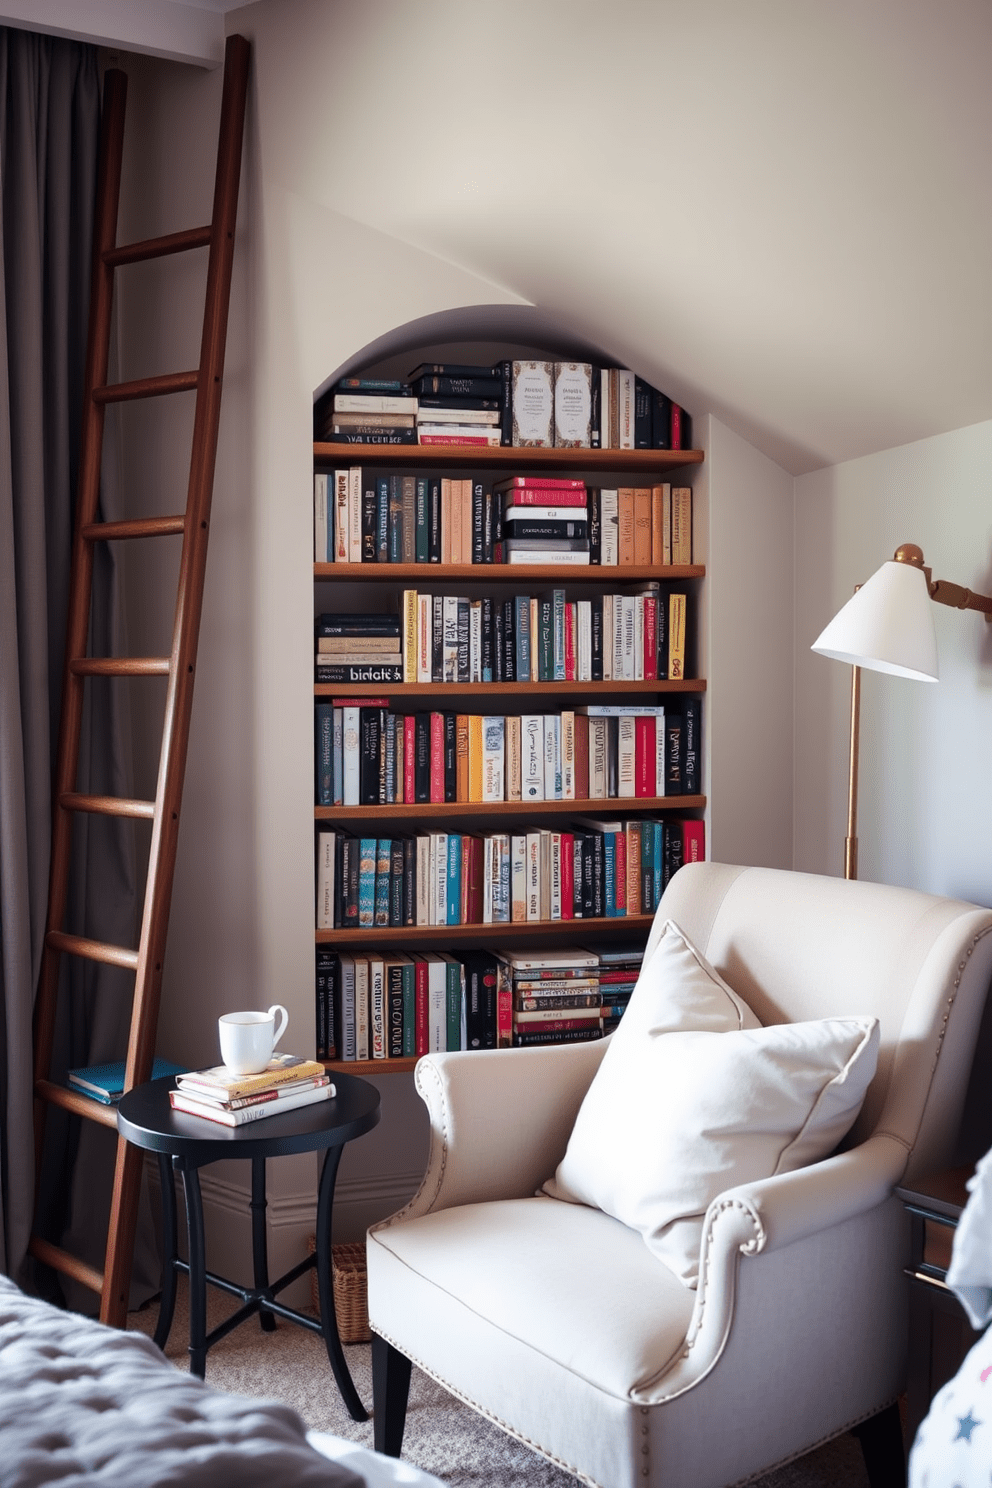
x=764 y=1216
x=500 y=1120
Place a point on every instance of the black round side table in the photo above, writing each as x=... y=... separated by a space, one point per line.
x=189 y=1142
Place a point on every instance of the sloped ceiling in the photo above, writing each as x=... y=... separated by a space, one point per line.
x=780 y=210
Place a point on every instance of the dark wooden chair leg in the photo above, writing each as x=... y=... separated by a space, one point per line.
x=882 y=1448
x=390 y=1389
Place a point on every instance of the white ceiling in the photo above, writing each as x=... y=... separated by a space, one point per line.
x=780 y=210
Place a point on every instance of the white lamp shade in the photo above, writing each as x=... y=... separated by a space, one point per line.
x=887 y=626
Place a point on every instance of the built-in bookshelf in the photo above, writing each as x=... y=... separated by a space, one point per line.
x=380 y=587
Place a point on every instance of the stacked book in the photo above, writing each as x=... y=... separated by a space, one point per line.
x=459 y=404
x=545 y=520
x=367 y=755
x=554 y=995
x=358 y=648
x=368 y=410
x=220 y=1095
x=619 y=968
x=105 y=1082
x=590 y=869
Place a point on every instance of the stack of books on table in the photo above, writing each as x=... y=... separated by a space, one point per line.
x=459 y=404
x=545 y=519
x=358 y=648
x=555 y=996
x=218 y=1094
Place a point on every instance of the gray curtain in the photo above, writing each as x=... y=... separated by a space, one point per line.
x=49 y=121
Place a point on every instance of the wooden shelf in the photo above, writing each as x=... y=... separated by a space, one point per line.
x=501 y=934
x=502 y=689
x=505 y=457
x=423 y=811
x=365 y=1067
x=507 y=573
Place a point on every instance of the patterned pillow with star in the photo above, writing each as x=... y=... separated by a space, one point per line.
x=953 y=1447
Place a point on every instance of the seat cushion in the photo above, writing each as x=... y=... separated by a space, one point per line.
x=568 y=1281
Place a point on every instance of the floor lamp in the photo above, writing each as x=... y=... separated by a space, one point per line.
x=888 y=627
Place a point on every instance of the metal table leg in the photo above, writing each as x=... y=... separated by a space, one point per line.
x=259 y=1244
x=170 y=1251
x=197 y=1272
x=325 y=1284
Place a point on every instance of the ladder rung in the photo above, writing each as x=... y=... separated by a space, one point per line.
x=107 y=805
x=147 y=387
x=69 y=1265
x=178 y=242
x=76 y=1102
x=137 y=527
x=93 y=950
x=120 y=666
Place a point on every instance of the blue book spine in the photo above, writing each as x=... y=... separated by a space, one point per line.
x=521 y=633
x=409 y=1010
x=382 y=519
x=337 y=746
x=453 y=913
x=383 y=859
x=610 y=873
x=422 y=539
x=366 y=882
x=325 y=754
x=658 y=855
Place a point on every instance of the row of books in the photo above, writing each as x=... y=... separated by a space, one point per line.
x=572 y=405
x=229 y=1099
x=415 y=517
x=641 y=635
x=367 y=755
x=402 y=1004
x=594 y=869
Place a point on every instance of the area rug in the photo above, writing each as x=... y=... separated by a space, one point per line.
x=442 y=1435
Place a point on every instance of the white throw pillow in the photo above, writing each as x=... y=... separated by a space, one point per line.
x=673 y=1118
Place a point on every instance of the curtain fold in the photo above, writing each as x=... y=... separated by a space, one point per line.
x=49 y=126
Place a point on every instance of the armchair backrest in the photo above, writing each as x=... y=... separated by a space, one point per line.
x=798 y=946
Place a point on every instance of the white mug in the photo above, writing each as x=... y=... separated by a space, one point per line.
x=248 y=1039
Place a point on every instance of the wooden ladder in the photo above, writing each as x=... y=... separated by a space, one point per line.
x=180 y=666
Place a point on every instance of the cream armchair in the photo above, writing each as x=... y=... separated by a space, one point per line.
x=555 y=1321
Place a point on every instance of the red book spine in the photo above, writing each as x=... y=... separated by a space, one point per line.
x=409 y=758
x=645 y=762
x=650 y=637
x=556 y=1025
x=570 y=642
x=620 y=871
x=454 y=439
x=421 y=1031
x=693 y=841
x=546 y=496
x=437 y=757
x=504 y=1008
x=567 y=876
x=676 y=442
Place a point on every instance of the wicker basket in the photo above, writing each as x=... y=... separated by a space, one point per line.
x=351 y=1297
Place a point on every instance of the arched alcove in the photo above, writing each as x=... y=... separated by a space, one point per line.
x=473 y=334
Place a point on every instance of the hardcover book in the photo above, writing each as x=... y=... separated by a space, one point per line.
x=533 y=403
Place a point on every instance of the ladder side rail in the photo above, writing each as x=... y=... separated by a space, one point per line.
x=81 y=570
x=189 y=601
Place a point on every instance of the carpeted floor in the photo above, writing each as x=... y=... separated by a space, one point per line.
x=442 y=1436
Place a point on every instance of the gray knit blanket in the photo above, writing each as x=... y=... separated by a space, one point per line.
x=84 y=1404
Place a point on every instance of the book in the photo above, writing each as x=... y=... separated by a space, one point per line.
x=219 y=1079
x=241 y=1115
x=573 y=404
x=105 y=1082
x=274 y=1095
x=533 y=402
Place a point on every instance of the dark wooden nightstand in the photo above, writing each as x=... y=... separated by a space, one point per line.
x=939 y=1331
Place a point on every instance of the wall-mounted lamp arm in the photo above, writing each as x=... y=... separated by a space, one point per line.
x=940 y=590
